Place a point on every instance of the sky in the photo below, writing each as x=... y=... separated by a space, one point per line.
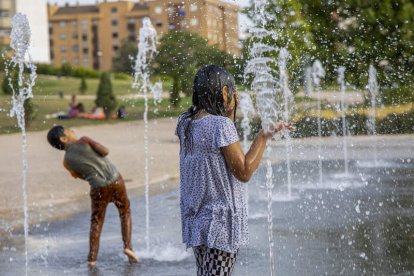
x=244 y=22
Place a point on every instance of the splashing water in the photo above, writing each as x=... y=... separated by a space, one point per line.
x=147 y=40
x=345 y=132
x=157 y=92
x=373 y=92
x=307 y=81
x=287 y=103
x=265 y=85
x=20 y=42
x=317 y=73
x=247 y=110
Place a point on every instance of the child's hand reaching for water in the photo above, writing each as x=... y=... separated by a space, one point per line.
x=277 y=127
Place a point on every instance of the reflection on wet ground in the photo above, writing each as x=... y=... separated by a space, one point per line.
x=357 y=224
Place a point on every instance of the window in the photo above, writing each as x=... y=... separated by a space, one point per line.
x=115 y=35
x=193 y=7
x=84 y=23
x=76 y=61
x=63 y=36
x=74 y=23
x=63 y=49
x=4 y=13
x=64 y=61
x=159 y=24
x=114 y=9
x=85 y=62
x=131 y=21
x=158 y=10
x=114 y=22
x=84 y=37
x=194 y=22
x=5 y=31
x=115 y=47
x=85 y=50
x=75 y=36
x=62 y=23
x=75 y=48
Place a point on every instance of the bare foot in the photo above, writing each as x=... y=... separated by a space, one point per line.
x=131 y=256
x=91 y=264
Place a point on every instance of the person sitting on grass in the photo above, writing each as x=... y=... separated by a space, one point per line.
x=86 y=159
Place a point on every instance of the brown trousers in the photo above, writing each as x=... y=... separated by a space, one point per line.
x=100 y=197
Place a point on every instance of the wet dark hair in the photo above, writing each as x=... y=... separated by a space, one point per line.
x=53 y=137
x=207 y=94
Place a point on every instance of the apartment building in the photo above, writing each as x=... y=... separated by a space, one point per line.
x=91 y=36
x=36 y=12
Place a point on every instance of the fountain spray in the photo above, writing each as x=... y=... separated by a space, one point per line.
x=247 y=110
x=265 y=84
x=317 y=73
x=147 y=40
x=287 y=100
x=373 y=92
x=20 y=42
x=341 y=82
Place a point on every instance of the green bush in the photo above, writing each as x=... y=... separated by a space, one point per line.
x=104 y=96
x=397 y=124
x=66 y=70
x=121 y=76
x=83 y=86
x=397 y=95
x=79 y=72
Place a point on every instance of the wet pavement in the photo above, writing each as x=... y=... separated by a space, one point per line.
x=356 y=224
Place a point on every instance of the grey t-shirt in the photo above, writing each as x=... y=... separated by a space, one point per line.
x=213 y=204
x=94 y=168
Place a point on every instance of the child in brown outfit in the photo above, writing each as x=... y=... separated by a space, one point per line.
x=86 y=159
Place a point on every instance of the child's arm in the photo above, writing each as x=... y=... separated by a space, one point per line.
x=73 y=173
x=100 y=149
x=243 y=166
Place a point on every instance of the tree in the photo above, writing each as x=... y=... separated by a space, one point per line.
x=123 y=62
x=180 y=55
x=30 y=111
x=83 y=85
x=104 y=96
x=356 y=34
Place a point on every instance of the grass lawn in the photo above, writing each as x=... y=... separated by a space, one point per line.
x=51 y=85
x=45 y=105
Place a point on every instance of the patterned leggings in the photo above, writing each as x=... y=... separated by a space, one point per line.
x=213 y=262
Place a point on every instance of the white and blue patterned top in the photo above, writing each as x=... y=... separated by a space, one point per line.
x=212 y=200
